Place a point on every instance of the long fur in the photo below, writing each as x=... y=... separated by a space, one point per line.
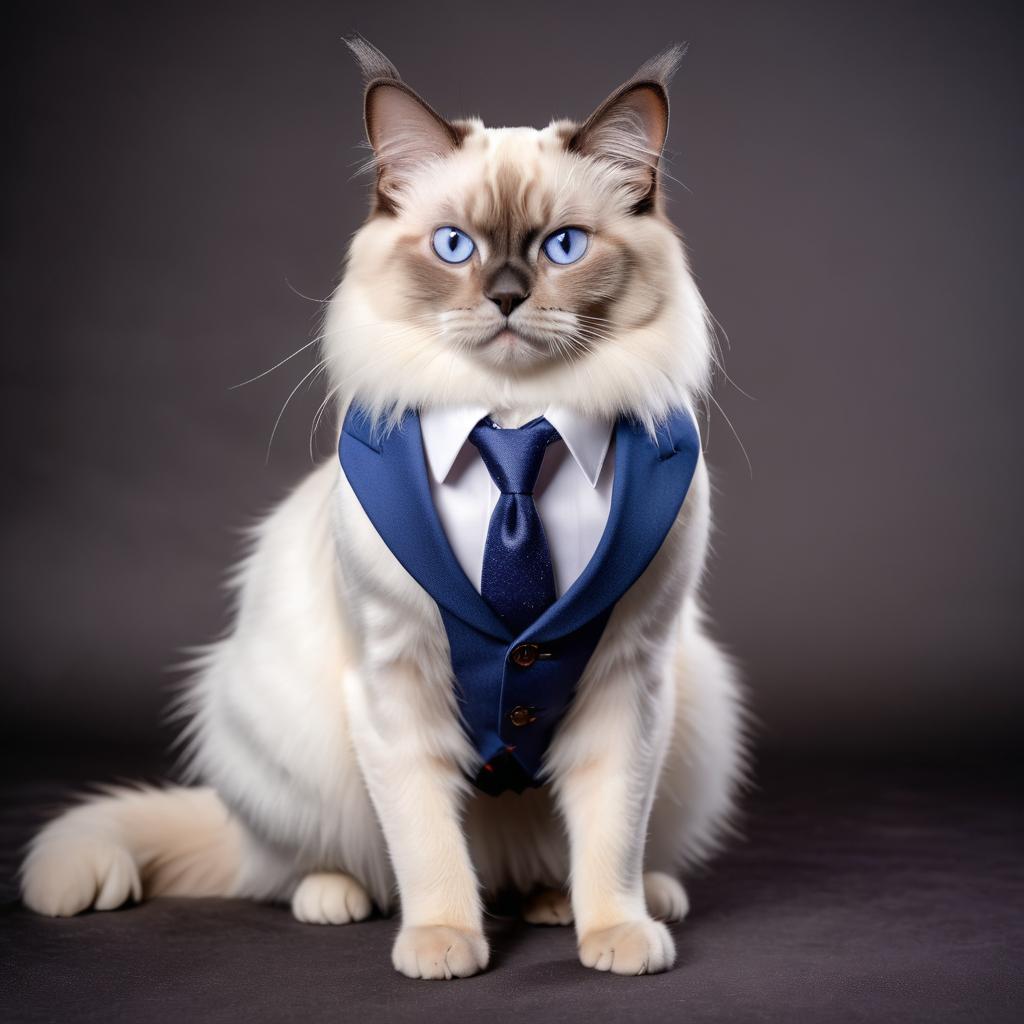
x=323 y=727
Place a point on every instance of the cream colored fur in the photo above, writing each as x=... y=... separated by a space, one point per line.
x=324 y=727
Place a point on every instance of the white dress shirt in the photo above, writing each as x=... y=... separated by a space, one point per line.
x=573 y=491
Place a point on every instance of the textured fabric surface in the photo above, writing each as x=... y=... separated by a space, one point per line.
x=882 y=893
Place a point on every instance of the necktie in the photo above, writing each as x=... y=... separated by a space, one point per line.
x=517 y=580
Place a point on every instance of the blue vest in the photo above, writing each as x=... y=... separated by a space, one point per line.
x=514 y=690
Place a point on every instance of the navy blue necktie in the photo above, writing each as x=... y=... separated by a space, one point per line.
x=517 y=580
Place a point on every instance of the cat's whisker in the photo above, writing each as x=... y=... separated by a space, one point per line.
x=324 y=336
x=578 y=344
x=319 y=414
x=337 y=387
x=717 y=357
x=260 y=376
x=321 y=370
x=390 y=342
x=578 y=363
x=291 y=395
x=631 y=354
x=302 y=295
x=384 y=356
x=714 y=353
x=750 y=467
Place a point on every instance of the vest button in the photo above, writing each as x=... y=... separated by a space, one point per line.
x=520 y=716
x=524 y=655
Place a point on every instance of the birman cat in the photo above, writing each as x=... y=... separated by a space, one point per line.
x=469 y=657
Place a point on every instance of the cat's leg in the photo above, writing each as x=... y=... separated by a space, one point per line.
x=419 y=795
x=406 y=731
x=606 y=766
x=705 y=763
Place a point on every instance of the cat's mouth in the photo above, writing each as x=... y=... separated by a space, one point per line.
x=521 y=341
x=512 y=345
x=509 y=337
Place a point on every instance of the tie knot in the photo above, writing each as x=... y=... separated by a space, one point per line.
x=513 y=456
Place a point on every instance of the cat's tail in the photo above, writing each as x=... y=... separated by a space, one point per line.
x=132 y=843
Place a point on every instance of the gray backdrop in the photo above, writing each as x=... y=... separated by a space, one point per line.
x=175 y=176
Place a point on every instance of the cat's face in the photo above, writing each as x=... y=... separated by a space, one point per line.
x=511 y=264
x=515 y=253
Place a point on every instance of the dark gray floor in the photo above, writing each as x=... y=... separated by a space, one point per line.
x=880 y=893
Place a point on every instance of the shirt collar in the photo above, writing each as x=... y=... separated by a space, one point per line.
x=445 y=430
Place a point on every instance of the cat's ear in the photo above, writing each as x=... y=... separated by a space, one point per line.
x=403 y=129
x=630 y=127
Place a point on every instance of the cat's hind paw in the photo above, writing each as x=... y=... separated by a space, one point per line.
x=666 y=898
x=633 y=947
x=439 y=951
x=549 y=907
x=330 y=897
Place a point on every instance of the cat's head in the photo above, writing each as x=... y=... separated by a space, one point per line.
x=515 y=266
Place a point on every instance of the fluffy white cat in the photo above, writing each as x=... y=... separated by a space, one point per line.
x=325 y=736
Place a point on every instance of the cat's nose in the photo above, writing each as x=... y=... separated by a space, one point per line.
x=507 y=301
x=507 y=290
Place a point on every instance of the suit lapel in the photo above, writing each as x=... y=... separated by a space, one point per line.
x=389 y=477
x=650 y=484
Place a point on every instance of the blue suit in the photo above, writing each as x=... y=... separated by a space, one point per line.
x=514 y=690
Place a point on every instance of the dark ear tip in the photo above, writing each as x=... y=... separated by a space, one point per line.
x=372 y=63
x=661 y=68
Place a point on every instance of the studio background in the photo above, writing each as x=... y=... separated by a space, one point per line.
x=178 y=177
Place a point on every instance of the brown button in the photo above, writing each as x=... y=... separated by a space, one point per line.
x=520 y=716
x=525 y=654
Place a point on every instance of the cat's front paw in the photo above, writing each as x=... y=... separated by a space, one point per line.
x=439 y=951
x=633 y=947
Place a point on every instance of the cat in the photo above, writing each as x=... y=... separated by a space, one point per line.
x=328 y=761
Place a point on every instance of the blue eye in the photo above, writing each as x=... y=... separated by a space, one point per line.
x=453 y=245
x=566 y=245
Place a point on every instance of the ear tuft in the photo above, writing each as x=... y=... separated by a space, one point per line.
x=372 y=63
x=404 y=131
x=630 y=127
x=663 y=67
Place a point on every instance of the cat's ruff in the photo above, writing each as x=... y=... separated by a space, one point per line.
x=325 y=735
